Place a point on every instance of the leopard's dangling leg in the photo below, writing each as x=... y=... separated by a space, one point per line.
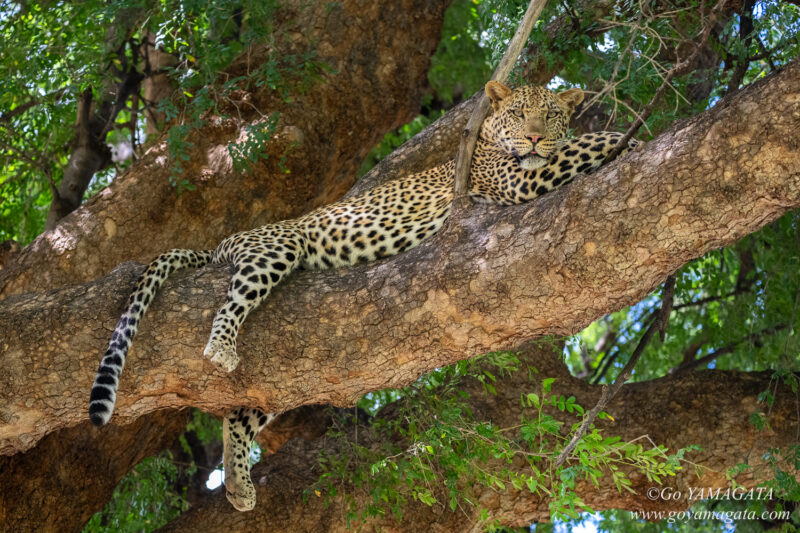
x=239 y=428
x=262 y=258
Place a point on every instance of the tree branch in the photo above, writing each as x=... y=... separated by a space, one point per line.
x=679 y=68
x=31 y=103
x=692 y=363
x=659 y=324
x=593 y=247
x=746 y=34
x=107 y=230
x=72 y=473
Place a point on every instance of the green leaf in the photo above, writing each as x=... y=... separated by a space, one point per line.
x=533 y=399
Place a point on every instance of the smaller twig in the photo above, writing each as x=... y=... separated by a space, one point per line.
x=469 y=137
x=199 y=467
x=134 y=119
x=709 y=299
x=127 y=86
x=573 y=15
x=22 y=154
x=603 y=367
x=623 y=143
x=658 y=318
x=679 y=68
x=33 y=102
x=666 y=306
x=606 y=362
x=728 y=348
x=766 y=53
x=622 y=56
x=610 y=391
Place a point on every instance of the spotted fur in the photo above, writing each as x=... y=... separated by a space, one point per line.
x=522 y=153
x=239 y=428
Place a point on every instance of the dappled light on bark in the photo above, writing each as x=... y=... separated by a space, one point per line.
x=602 y=243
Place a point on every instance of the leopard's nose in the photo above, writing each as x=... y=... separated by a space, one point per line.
x=534 y=138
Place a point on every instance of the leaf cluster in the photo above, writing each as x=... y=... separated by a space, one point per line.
x=144 y=500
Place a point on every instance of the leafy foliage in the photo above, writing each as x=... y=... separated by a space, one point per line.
x=143 y=501
x=446 y=451
x=734 y=308
x=151 y=494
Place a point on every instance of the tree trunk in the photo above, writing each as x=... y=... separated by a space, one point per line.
x=667 y=410
x=380 y=54
x=95 y=115
x=593 y=247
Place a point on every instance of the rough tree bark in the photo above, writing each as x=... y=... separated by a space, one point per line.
x=363 y=45
x=593 y=247
x=711 y=408
x=71 y=474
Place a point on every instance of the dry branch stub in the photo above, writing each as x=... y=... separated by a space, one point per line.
x=469 y=137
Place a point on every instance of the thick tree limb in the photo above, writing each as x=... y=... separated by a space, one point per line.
x=110 y=229
x=506 y=275
x=433 y=146
x=669 y=411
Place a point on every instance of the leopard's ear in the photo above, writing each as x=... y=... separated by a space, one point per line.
x=571 y=98
x=497 y=92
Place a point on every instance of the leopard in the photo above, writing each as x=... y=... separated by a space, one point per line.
x=522 y=152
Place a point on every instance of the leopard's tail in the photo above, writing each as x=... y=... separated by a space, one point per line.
x=104 y=390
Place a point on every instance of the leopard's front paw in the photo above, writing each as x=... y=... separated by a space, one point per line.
x=222 y=355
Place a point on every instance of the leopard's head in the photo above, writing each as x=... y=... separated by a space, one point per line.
x=529 y=122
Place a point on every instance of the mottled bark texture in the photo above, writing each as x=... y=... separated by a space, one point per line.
x=380 y=52
x=709 y=408
x=42 y=491
x=505 y=275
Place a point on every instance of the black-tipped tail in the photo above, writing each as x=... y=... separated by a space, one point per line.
x=104 y=390
x=97 y=418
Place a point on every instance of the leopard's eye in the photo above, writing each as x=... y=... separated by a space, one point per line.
x=518 y=112
x=552 y=114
